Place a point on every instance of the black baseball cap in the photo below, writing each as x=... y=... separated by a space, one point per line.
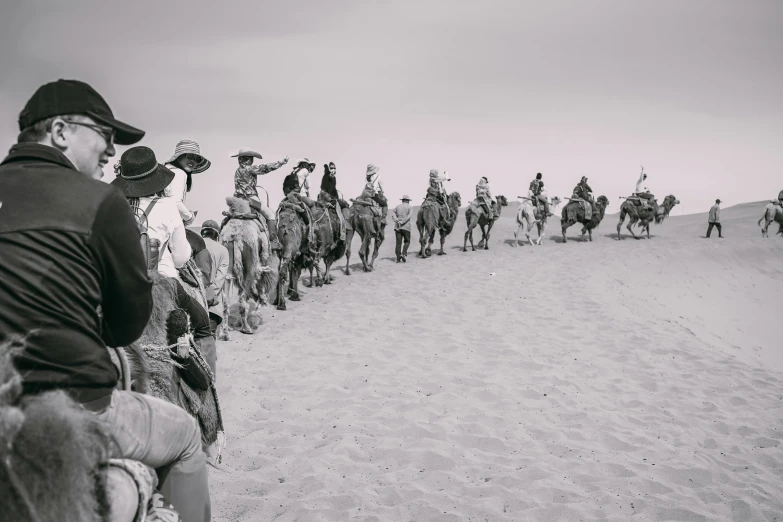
x=74 y=97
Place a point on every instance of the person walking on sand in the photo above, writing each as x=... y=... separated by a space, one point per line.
x=714 y=219
x=401 y=215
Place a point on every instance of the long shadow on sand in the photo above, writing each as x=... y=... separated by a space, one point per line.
x=628 y=236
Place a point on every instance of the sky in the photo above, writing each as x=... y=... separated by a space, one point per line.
x=690 y=89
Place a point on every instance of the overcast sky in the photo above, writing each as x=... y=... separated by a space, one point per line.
x=691 y=89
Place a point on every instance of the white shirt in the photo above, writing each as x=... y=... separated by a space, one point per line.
x=640 y=184
x=165 y=225
x=178 y=189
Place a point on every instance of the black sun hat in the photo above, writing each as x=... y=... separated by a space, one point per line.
x=75 y=97
x=139 y=174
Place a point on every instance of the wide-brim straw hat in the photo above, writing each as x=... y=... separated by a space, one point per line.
x=371 y=169
x=247 y=153
x=405 y=197
x=140 y=175
x=210 y=225
x=190 y=147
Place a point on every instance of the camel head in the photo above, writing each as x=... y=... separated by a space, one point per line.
x=663 y=211
x=602 y=201
x=502 y=201
x=455 y=200
x=555 y=201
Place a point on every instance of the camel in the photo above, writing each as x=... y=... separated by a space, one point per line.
x=296 y=254
x=643 y=216
x=772 y=212
x=476 y=215
x=362 y=220
x=428 y=221
x=554 y=203
x=574 y=213
x=527 y=216
x=58 y=464
x=328 y=245
x=251 y=267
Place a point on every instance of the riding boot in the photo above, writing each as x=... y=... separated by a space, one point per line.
x=274 y=242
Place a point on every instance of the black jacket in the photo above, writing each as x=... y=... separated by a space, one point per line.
x=329 y=185
x=68 y=243
x=291 y=184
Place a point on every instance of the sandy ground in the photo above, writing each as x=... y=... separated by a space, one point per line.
x=630 y=380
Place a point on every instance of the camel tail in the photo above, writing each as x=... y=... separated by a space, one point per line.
x=239 y=272
x=762 y=218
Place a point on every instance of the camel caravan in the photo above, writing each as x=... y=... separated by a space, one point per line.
x=112 y=306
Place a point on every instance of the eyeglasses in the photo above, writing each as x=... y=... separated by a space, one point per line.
x=107 y=134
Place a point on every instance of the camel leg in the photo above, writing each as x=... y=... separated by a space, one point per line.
x=296 y=273
x=283 y=283
x=516 y=233
x=422 y=240
x=376 y=243
x=327 y=271
x=563 y=227
x=223 y=328
x=620 y=224
x=348 y=240
x=590 y=234
x=363 y=250
x=244 y=312
x=319 y=280
x=647 y=227
x=485 y=237
x=469 y=234
x=541 y=232
x=442 y=241
x=430 y=241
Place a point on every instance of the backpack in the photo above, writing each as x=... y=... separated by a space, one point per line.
x=150 y=247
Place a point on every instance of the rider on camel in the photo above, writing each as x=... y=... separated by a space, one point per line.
x=436 y=192
x=292 y=187
x=780 y=198
x=484 y=198
x=583 y=191
x=329 y=187
x=186 y=161
x=371 y=195
x=642 y=191
x=536 y=194
x=245 y=180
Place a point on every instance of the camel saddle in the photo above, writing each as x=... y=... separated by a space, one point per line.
x=444 y=212
x=586 y=206
x=641 y=202
x=302 y=209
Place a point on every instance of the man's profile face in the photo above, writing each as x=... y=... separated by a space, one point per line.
x=88 y=144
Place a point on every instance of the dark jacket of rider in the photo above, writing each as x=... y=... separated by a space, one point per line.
x=68 y=244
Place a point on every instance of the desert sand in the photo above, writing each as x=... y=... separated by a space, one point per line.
x=612 y=380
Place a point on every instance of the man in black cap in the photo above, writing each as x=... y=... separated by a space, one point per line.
x=70 y=244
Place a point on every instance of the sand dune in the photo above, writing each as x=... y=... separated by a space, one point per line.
x=613 y=380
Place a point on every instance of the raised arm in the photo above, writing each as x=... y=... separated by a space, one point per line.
x=266 y=168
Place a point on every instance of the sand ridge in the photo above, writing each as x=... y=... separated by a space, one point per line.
x=630 y=380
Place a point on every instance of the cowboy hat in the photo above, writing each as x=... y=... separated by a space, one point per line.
x=717 y=201
x=305 y=162
x=247 y=153
x=371 y=169
x=190 y=147
x=139 y=174
x=405 y=197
